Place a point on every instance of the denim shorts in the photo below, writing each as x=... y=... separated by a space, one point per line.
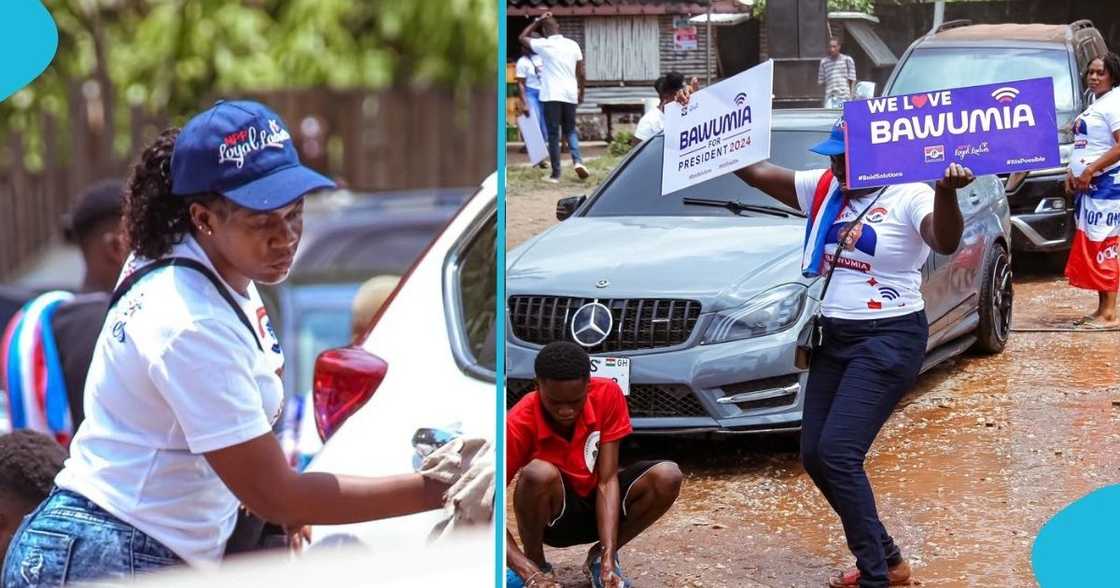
x=69 y=539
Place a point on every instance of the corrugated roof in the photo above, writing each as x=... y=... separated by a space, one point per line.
x=1007 y=32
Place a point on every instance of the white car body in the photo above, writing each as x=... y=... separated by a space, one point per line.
x=426 y=385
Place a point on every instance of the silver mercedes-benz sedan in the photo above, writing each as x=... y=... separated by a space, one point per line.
x=693 y=301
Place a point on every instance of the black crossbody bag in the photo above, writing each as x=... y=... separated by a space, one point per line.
x=812 y=335
x=251 y=533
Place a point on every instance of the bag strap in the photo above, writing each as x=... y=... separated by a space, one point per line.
x=840 y=243
x=188 y=263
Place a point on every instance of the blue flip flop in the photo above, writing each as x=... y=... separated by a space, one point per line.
x=594 y=571
x=515 y=581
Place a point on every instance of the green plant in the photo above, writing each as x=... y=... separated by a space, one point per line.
x=620 y=145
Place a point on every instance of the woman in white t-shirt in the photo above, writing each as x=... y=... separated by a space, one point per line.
x=1093 y=169
x=874 y=328
x=184 y=387
x=527 y=72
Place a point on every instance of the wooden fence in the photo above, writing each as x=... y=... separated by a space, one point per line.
x=390 y=140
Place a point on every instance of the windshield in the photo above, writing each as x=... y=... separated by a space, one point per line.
x=936 y=69
x=636 y=190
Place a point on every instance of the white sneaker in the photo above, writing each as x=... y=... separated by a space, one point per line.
x=552 y=180
x=581 y=171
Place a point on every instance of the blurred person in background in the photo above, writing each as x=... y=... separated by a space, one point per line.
x=668 y=87
x=184 y=387
x=29 y=461
x=48 y=345
x=562 y=78
x=837 y=73
x=528 y=75
x=298 y=434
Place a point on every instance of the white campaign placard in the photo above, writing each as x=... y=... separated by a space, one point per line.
x=724 y=127
x=534 y=139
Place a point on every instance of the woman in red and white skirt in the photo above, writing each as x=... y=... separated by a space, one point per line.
x=1094 y=175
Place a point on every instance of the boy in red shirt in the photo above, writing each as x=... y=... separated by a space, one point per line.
x=563 y=439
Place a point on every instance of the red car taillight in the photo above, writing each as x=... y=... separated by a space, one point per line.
x=345 y=379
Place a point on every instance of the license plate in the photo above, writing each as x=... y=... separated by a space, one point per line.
x=615 y=368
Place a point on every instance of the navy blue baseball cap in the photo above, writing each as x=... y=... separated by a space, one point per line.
x=243 y=151
x=834 y=144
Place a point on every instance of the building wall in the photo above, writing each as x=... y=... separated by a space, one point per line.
x=689 y=63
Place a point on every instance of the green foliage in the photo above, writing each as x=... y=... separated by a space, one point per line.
x=620 y=145
x=171 y=56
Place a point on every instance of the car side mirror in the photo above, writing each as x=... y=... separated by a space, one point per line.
x=566 y=207
x=865 y=90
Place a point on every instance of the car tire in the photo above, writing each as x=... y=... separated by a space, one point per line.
x=996 y=297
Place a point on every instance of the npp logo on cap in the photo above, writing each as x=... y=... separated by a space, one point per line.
x=243 y=151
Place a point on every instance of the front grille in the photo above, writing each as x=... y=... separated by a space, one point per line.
x=639 y=323
x=645 y=400
x=515 y=389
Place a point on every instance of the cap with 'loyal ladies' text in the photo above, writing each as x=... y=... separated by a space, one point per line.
x=243 y=151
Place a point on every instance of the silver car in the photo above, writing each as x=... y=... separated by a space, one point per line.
x=693 y=301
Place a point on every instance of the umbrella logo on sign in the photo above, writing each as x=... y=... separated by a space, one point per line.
x=1005 y=94
x=934 y=153
x=740 y=99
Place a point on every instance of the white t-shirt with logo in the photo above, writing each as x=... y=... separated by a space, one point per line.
x=528 y=68
x=1093 y=131
x=651 y=123
x=559 y=56
x=880 y=275
x=175 y=374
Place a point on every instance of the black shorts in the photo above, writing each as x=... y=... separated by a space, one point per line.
x=577 y=522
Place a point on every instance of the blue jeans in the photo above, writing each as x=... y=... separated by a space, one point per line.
x=857 y=376
x=69 y=539
x=561 y=117
x=533 y=98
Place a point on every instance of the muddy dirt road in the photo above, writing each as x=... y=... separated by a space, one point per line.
x=974 y=461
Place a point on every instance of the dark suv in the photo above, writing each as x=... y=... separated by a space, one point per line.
x=961 y=54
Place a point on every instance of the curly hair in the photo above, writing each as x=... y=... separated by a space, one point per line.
x=29 y=461
x=1111 y=63
x=562 y=360
x=156 y=219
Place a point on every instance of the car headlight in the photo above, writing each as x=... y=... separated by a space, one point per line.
x=772 y=311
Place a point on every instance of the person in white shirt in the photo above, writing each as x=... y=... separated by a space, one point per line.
x=185 y=384
x=1094 y=175
x=874 y=327
x=528 y=75
x=668 y=87
x=562 y=77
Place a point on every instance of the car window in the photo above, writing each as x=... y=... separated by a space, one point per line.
x=931 y=69
x=317 y=330
x=636 y=189
x=475 y=280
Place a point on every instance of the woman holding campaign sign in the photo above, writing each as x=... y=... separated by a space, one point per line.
x=869 y=246
x=1093 y=170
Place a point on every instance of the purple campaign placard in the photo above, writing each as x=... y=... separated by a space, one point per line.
x=995 y=128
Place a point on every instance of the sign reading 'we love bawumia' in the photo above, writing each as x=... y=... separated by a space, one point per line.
x=995 y=128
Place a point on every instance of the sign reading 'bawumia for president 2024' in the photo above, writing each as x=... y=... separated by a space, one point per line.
x=723 y=128
x=994 y=128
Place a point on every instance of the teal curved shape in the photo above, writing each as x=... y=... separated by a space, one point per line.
x=1072 y=547
x=28 y=42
